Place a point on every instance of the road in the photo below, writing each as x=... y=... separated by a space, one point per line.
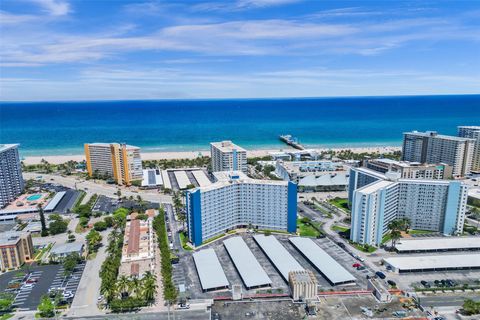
x=100 y=187
x=447 y=300
x=85 y=301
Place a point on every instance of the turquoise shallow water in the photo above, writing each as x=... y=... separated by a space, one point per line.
x=49 y=128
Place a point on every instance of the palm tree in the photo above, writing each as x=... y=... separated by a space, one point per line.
x=110 y=292
x=149 y=282
x=137 y=288
x=123 y=285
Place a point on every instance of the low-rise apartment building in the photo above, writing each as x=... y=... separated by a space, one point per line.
x=16 y=248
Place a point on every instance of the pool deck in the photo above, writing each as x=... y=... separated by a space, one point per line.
x=22 y=202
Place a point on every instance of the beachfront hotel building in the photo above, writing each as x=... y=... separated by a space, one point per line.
x=236 y=201
x=121 y=162
x=378 y=198
x=431 y=147
x=472 y=132
x=411 y=170
x=11 y=181
x=16 y=248
x=227 y=156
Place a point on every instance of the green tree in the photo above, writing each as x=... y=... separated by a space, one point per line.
x=149 y=281
x=100 y=225
x=46 y=309
x=93 y=240
x=70 y=262
x=471 y=307
x=6 y=301
x=123 y=285
x=57 y=224
x=44 y=232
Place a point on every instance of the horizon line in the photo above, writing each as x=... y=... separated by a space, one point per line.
x=257 y=98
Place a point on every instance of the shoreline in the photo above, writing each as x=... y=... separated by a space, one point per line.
x=170 y=155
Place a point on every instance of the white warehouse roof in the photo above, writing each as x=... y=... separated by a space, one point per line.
x=182 y=179
x=437 y=262
x=438 y=244
x=278 y=255
x=322 y=261
x=252 y=273
x=209 y=270
x=54 y=202
x=201 y=178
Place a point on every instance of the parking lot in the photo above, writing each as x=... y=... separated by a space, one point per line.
x=185 y=272
x=29 y=289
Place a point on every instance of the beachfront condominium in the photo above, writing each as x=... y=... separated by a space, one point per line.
x=431 y=147
x=11 y=181
x=227 y=156
x=378 y=198
x=472 y=132
x=119 y=162
x=410 y=170
x=236 y=201
x=16 y=248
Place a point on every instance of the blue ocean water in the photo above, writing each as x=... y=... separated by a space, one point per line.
x=49 y=128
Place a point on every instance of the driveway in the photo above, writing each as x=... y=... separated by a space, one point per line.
x=85 y=301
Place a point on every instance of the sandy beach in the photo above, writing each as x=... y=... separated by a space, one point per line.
x=57 y=159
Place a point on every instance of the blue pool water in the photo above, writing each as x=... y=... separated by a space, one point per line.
x=34 y=197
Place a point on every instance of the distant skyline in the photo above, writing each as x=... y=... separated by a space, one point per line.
x=114 y=50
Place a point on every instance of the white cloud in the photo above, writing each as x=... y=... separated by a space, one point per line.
x=54 y=7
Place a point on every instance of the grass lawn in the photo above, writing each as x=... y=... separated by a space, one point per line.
x=420 y=232
x=369 y=249
x=386 y=238
x=307 y=229
x=213 y=239
x=6 y=316
x=42 y=252
x=339 y=228
x=183 y=241
x=340 y=203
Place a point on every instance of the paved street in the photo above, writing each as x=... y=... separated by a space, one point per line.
x=100 y=187
x=85 y=301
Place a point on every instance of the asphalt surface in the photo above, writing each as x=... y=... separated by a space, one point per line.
x=67 y=202
x=447 y=300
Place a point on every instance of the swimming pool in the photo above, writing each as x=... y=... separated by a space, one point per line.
x=34 y=197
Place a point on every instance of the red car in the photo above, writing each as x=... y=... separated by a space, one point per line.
x=31 y=280
x=356 y=265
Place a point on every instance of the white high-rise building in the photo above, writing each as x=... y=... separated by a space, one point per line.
x=236 y=200
x=472 y=132
x=227 y=156
x=376 y=199
x=11 y=180
x=430 y=147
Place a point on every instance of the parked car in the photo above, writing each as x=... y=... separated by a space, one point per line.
x=356 y=265
x=425 y=284
x=392 y=283
x=380 y=274
x=361 y=268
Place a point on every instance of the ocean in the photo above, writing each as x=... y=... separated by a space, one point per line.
x=54 y=128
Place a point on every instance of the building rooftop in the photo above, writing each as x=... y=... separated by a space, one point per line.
x=434 y=262
x=375 y=186
x=105 y=144
x=8 y=238
x=4 y=147
x=152 y=177
x=322 y=261
x=443 y=243
x=66 y=248
x=227 y=146
x=226 y=178
x=327 y=179
x=209 y=270
x=436 y=135
x=278 y=255
x=252 y=273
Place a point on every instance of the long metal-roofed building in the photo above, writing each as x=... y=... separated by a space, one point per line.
x=322 y=261
x=212 y=277
x=283 y=261
x=433 y=263
x=251 y=272
x=438 y=244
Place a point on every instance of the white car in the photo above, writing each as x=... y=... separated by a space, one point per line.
x=28 y=285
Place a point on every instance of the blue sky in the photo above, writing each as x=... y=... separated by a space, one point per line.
x=85 y=50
